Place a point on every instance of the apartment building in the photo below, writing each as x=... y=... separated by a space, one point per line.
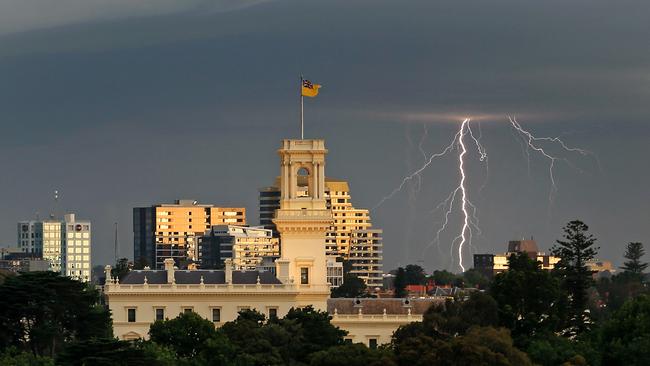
x=246 y=246
x=173 y=230
x=64 y=244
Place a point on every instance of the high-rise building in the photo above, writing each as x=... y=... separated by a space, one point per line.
x=30 y=237
x=246 y=246
x=76 y=241
x=365 y=256
x=65 y=244
x=172 y=230
x=351 y=227
x=52 y=244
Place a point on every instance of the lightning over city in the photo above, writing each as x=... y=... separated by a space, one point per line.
x=458 y=200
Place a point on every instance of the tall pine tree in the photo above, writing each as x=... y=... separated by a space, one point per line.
x=633 y=253
x=574 y=253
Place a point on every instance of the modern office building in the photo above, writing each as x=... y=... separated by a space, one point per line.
x=246 y=246
x=172 y=230
x=53 y=249
x=64 y=244
x=350 y=227
x=30 y=237
x=76 y=241
x=491 y=264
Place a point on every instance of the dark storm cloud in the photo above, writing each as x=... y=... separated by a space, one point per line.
x=138 y=107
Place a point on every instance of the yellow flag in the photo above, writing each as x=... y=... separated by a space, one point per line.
x=309 y=89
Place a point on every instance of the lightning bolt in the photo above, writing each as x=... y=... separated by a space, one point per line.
x=461 y=168
x=467 y=208
x=533 y=142
x=416 y=174
x=469 y=211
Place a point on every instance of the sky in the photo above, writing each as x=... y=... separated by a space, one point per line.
x=119 y=104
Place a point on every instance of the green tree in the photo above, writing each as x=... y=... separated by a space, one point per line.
x=121 y=269
x=39 y=311
x=314 y=332
x=550 y=349
x=633 y=266
x=420 y=350
x=574 y=253
x=352 y=355
x=185 y=334
x=480 y=346
x=414 y=275
x=530 y=300
x=352 y=286
x=487 y=346
x=474 y=278
x=456 y=317
x=625 y=338
x=617 y=290
x=400 y=283
x=444 y=278
x=256 y=342
x=14 y=357
x=104 y=352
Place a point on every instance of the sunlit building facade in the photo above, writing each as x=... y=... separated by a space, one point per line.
x=302 y=272
x=64 y=244
x=76 y=236
x=173 y=230
x=348 y=236
x=246 y=246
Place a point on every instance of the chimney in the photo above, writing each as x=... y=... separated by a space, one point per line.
x=282 y=270
x=228 y=270
x=169 y=267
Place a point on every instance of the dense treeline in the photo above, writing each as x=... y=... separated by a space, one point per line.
x=524 y=316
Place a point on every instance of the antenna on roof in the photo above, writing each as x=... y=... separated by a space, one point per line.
x=56 y=204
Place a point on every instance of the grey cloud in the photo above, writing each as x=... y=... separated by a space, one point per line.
x=189 y=103
x=25 y=15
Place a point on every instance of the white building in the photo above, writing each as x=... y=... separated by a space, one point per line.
x=77 y=242
x=64 y=244
x=302 y=274
x=246 y=246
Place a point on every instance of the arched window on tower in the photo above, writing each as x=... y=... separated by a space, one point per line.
x=304 y=189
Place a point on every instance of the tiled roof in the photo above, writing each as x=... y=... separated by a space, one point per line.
x=210 y=277
x=377 y=306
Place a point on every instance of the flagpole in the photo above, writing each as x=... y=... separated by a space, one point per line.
x=302 y=112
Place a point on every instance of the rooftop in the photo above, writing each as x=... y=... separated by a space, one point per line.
x=210 y=277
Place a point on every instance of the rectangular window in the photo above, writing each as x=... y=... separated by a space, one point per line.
x=216 y=315
x=160 y=314
x=304 y=275
x=273 y=313
x=372 y=343
x=187 y=310
x=130 y=315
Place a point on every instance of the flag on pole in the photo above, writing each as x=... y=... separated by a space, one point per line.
x=310 y=89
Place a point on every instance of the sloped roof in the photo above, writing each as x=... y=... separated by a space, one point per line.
x=210 y=277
